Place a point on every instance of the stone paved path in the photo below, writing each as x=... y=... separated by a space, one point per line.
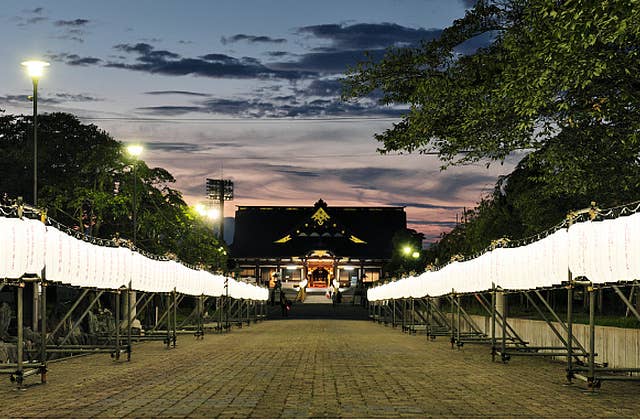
x=312 y=368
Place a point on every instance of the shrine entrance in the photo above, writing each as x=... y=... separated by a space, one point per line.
x=319 y=278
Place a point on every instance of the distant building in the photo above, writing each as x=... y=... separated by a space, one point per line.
x=320 y=242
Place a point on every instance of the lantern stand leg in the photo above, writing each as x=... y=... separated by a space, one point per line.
x=116 y=356
x=175 y=317
x=19 y=378
x=459 y=343
x=129 y=322
x=453 y=313
x=570 y=375
x=504 y=356
x=592 y=382
x=43 y=331
x=168 y=339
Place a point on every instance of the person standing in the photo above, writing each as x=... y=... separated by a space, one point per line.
x=273 y=282
x=302 y=291
x=336 y=298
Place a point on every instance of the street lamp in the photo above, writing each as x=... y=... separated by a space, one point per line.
x=35 y=69
x=135 y=150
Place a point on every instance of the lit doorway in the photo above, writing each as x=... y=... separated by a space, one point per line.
x=319 y=278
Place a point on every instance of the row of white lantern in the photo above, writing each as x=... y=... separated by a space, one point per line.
x=602 y=251
x=28 y=246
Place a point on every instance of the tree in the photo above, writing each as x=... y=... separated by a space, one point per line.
x=558 y=79
x=517 y=208
x=86 y=181
x=404 y=243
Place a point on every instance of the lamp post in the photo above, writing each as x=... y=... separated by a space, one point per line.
x=135 y=150
x=410 y=253
x=35 y=69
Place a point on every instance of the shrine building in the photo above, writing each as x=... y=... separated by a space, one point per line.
x=320 y=243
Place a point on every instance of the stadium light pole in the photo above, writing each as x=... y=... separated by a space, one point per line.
x=35 y=69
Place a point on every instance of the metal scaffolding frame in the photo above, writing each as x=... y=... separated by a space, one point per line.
x=22 y=369
x=458 y=325
x=55 y=341
x=596 y=373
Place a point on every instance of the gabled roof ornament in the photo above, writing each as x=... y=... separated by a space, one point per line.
x=320 y=216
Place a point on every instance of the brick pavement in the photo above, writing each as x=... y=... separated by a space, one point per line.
x=312 y=368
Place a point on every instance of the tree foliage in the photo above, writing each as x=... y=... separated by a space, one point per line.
x=519 y=207
x=86 y=180
x=404 y=243
x=559 y=79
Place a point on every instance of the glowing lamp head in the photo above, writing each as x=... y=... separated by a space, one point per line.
x=415 y=255
x=35 y=68
x=213 y=214
x=134 y=150
x=201 y=209
x=204 y=211
x=406 y=250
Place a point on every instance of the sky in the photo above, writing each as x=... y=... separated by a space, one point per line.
x=245 y=89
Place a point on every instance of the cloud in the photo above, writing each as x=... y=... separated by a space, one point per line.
x=76 y=97
x=175 y=92
x=252 y=39
x=299 y=173
x=174 y=146
x=468 y=3
x=368 y=35
x=275 y=108
x=370 y=177
x=211 y=65
x=54 y=99
x=74 y=22
x=74 y=59
x=432 y=223
x=322 y=87
x=30 y=19
x=34 y=20
x=286 y=98
x=168 y=110
x=451 y=187
x=327 y=62
x=351 y=44
x=277 y=53
x=20 y=99
x=140 y=48
x=426 y=206
x=219 y=58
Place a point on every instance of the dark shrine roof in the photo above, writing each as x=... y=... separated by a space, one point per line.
x=355 y=232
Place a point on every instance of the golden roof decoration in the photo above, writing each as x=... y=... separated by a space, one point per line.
x=320 y=216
